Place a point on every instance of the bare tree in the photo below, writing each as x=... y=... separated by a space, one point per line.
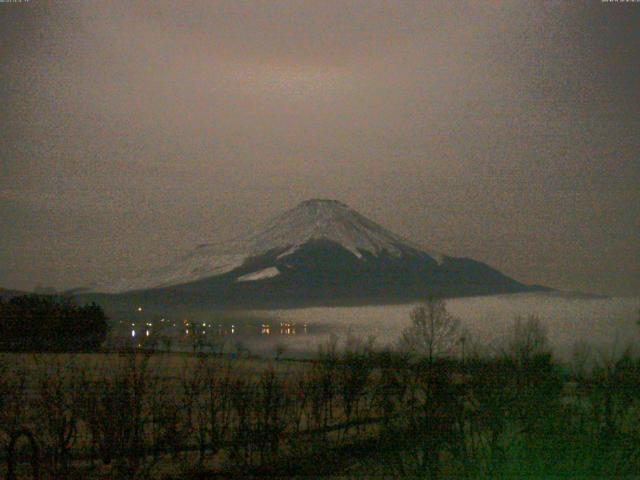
x=528 y=340
x=56 y=400
x=581 y=360
x=352 y=375
x=433 y=330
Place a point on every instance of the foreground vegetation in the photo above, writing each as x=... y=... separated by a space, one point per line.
x=425 y=410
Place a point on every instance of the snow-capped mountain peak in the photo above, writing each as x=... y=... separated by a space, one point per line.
x=331 y=220
x=317 y=219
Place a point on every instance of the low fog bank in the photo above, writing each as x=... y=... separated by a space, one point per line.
x=607 y=325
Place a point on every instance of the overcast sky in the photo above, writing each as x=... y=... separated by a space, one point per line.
x=505 y=131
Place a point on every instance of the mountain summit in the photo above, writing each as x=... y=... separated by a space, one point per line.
x=321 y=251
x=329 y=220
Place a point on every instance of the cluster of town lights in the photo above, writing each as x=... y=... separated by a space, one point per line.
x=286 y=328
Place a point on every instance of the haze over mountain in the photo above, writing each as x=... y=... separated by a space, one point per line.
x=7 y=294
x=319 y=252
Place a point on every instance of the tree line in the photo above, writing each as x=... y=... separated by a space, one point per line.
x=32 y=323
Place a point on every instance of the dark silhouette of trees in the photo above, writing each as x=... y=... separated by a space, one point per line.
x=50 y=323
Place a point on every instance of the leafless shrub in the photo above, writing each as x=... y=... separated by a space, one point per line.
x=194 y=405
x=116 y=410
x=57 y=405
x=534 y=378
x=390 y=389
x=612 y=389
x=14 y=408
x=527 y=340
x=270 y=414
x=15 y=415
x=260 y=419
x=581 y=360
x=324 y=383
x=167 y=432
x=433 y=423
x=218 y=405
x=352 y=373
x=242 y=447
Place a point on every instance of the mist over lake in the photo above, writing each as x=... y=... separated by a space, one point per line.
x=607 y=325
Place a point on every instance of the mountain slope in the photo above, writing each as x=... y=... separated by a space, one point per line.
x=321 y=251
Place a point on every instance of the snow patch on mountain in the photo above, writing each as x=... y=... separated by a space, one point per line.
x=259 y=275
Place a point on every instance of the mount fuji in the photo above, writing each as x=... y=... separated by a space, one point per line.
x=320 y=252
